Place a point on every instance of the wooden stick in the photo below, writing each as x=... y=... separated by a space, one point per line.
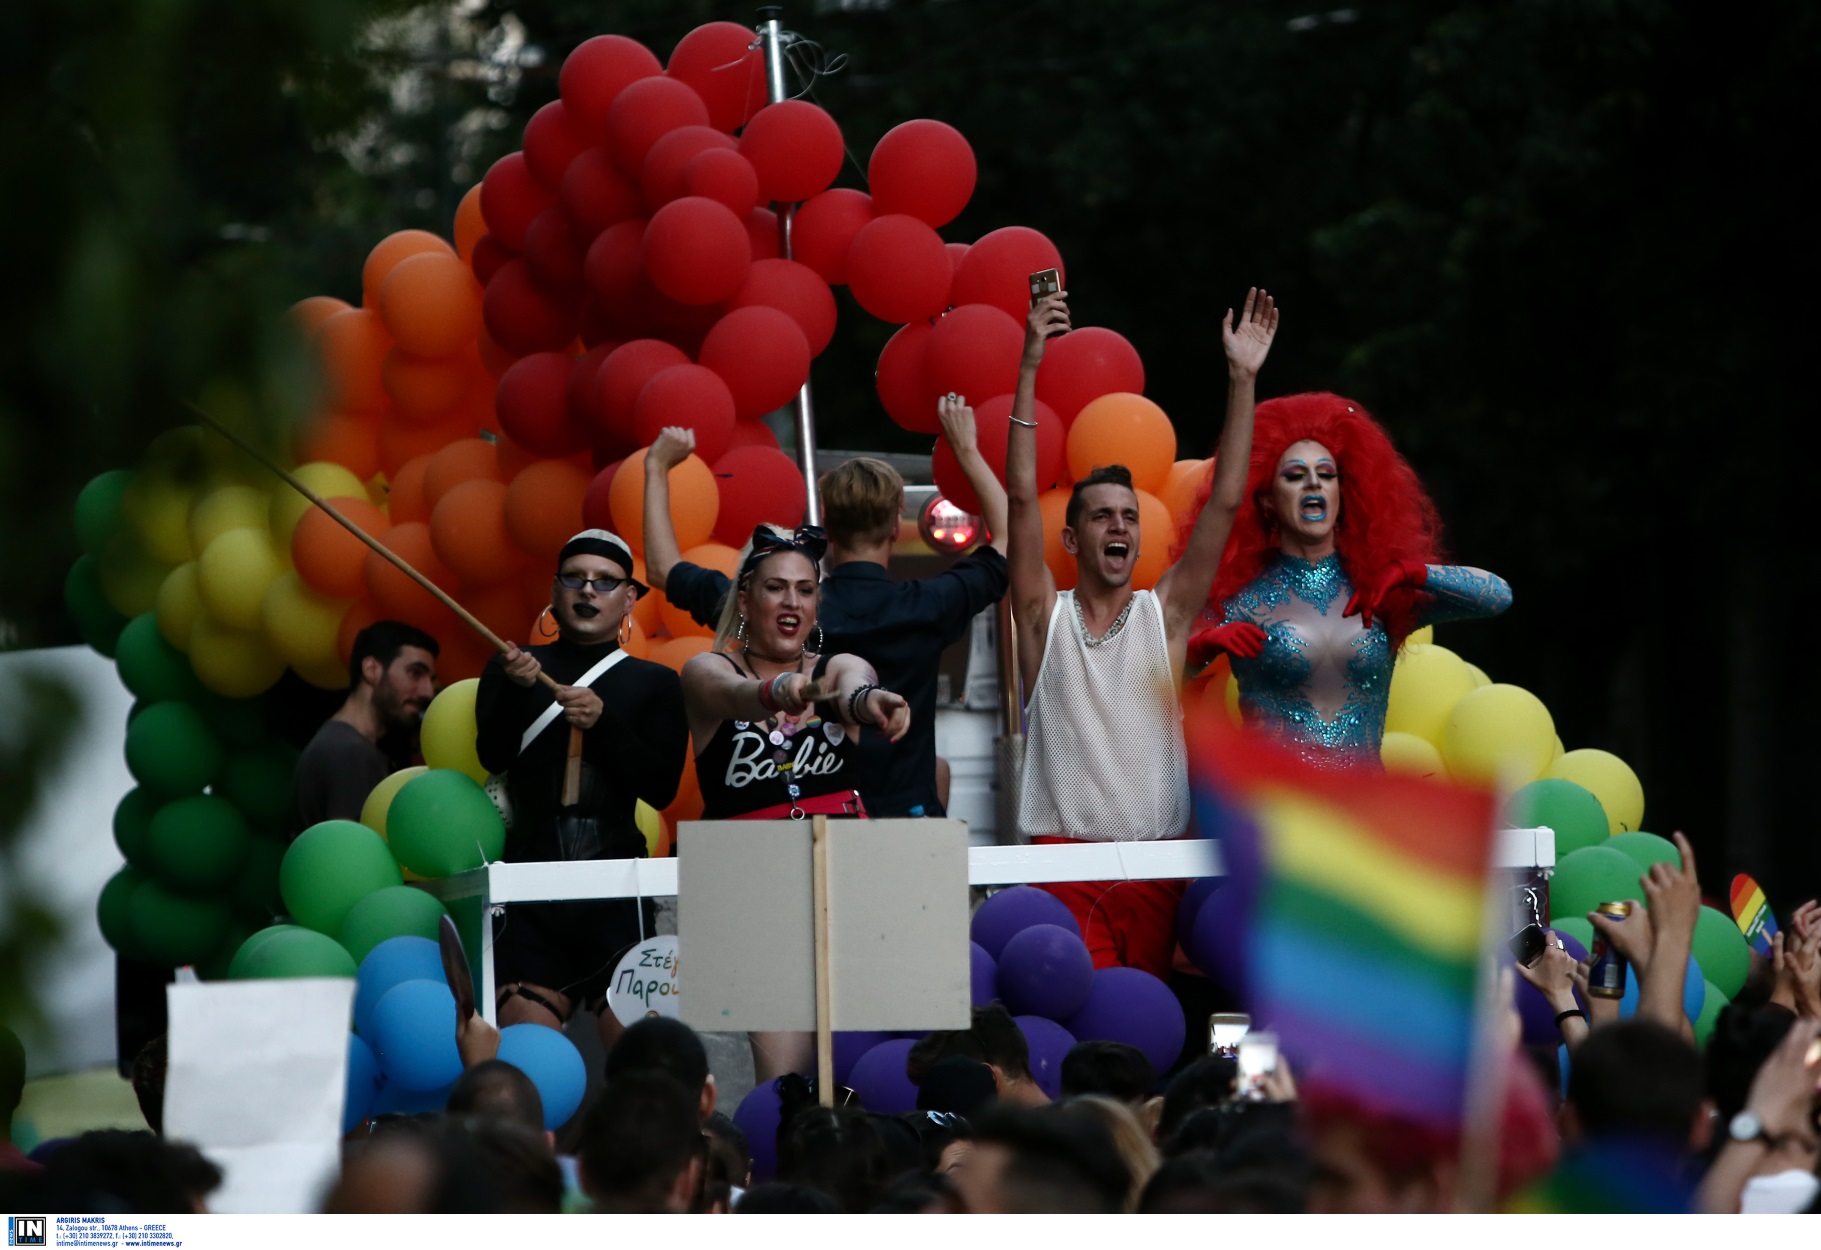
x=825 y=1037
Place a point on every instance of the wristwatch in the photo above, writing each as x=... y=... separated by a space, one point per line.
x=1747 y=1127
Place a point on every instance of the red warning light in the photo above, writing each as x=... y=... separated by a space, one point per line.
x=947 y=528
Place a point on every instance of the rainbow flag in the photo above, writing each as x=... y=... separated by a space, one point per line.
x=1752 y=914
x=1356 y=902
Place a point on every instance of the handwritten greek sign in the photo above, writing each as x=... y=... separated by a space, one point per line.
x=645 y=982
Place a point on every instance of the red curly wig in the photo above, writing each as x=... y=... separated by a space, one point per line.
x=1385 y=514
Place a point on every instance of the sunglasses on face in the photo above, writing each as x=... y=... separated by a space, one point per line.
x=601 y=585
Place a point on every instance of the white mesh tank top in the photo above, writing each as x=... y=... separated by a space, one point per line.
x=1104 y=759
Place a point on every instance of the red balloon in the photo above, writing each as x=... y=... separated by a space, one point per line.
x=690 y=396
x=762 y=355
x=661 y=176
x=552 y=141
x=796 y=147
x=762 y=230
x=614 y=268
x=924 y=168
x=998 y=267
x=992 y=423
x=582 y=394
x=552 y=253
x=594 y=75
x=597 y=195
x=904 y=391
x=956 y=252
x=757 y=484
x=511 y=199
x=1085 y=364
x=645 y=112
x=596 y=510
x=898 y=269
x=488 y=256
x=724 y=177
x=522 y=317
x=824 y=230
x=794 y=288
x=974 y=351
x=696 y=251
x=720 y=60
x=751 y=434
x=532 y=401
x=624 y=374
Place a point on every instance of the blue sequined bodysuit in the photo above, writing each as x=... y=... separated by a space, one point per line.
x=1322 y=682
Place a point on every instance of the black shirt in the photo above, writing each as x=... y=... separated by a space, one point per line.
x=335 y=774
x=901 y=629
x=635 y=750
x=748 y=766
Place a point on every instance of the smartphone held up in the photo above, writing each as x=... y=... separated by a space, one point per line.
x=1046 y=282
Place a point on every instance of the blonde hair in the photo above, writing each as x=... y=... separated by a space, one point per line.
x=861 y=499
x=1129 y=1139
x=729 y=622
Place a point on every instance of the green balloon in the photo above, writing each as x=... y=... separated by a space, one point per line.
x=331 y=867
x=114 y=910
x=255 y=892
x=1590 y=876
x=297 y=953
x=443 y=823
x=96 y=620
x=172 y=929
x=258 y=782
x=133 y=824
x=240 y=721
x=240 y=963
x=1722 y=952
x=98 y=509
x=152 y=668
x=1575 y=927
x=215 y=967
x=170 y=750
x=1646 y=849
x=198 y=843
x=1711 y=1007
x=1571 y=810
x=396 y=911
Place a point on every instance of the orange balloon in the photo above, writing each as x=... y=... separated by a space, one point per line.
x=424 y=391
x=386 y=255
x=688 y=803
x=544 y=506
x=676 y=652
x=463 y=655
x=362 y=613
x=718 y=556
x=513 y=457
x=1155 y=538
x=1123 y=428
x=308 y=314
x=431 y=304
x=694 y=501
x=468 y=530
x=405 y=498
x=500 y=607
x=346 y=439
x=397 y=596
x=464 y=460
x=1183 y=486
x=1054 y=505
x=469 y=224
x=645 y=612
x=638 y=646
x=352 y=346
x=401 y=442
x=327 y=556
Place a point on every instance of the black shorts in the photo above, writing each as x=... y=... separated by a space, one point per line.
x=569 y=947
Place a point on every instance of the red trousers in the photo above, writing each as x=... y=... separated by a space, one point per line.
x=1129 y=924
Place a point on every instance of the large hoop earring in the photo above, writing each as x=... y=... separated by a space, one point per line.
x=537 y=626
x=625 y=630
x=816 y=646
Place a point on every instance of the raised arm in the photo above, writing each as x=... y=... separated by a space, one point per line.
x=958 y=428
x=1183 y=589
x=673 y=446
x=1033 y=589
x=1673 y=897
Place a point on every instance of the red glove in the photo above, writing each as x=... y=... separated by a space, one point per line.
x=1369 y=596
x=1240 y=638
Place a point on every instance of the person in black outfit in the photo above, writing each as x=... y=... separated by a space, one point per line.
x=901 y=628
x=552 y=956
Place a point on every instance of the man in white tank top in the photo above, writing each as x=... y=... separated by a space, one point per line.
x=1104 y=759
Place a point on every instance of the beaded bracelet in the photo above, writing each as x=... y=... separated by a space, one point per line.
x=853 y=701
x=767 y=699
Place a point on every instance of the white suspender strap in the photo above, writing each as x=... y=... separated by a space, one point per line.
x=550 y=713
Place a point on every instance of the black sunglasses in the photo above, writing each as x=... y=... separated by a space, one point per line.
x=602 y=585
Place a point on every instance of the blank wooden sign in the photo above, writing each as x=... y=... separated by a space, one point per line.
x=898 y=924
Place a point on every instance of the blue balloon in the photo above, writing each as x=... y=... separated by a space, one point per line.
x=879 y=1081
x=395 y=1099
x=1049 y=1043
x=1012 y=911
x=414 y=1036
x=1694 y=992
x=850 y=1044
x=1046 y=971
x=363 y=1083
x=983 y=976
x=1130 y=1005
x=554 y=1065
x=393 y=962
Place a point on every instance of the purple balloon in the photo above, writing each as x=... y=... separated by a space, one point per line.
x=1534 y=1010
x=1217 y=945
x=1189 y=906
x=1049 y=1043
x=758 y=1115
x=1011 y=911
x=850 y=1045
x=879 y=1081
x=1046 y=971
x=984 y=977
x=1130 y=1005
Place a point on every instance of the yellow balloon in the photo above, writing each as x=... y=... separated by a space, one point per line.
x=130 y=578
x=1610 y=780
x=301 y=623
x=1560 y=751
x=157 y=511
x=331 y=481
x=1498 y=733
x=234 y=574
x=379 y=490
x=651 y=824
x=226 y=508
x=448 y=732
x=379 y=800
x=179 y=604
x=237 y=663
x=1411 y=755
x=1426 y=684
x=1479 y=676
x=1423 y=637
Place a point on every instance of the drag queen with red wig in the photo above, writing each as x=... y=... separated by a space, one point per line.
x=1334 y=564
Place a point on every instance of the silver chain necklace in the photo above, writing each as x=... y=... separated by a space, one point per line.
x=1112 y=630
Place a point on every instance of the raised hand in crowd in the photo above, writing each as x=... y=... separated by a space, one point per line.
x=1553 y=975
x=1782 y=1102
x=1657 y=941
x=673 y=445
x=1796 y=963
x=1048 y=317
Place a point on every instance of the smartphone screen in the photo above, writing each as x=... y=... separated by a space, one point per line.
x=1257 y=1056
x=1225 y=1029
